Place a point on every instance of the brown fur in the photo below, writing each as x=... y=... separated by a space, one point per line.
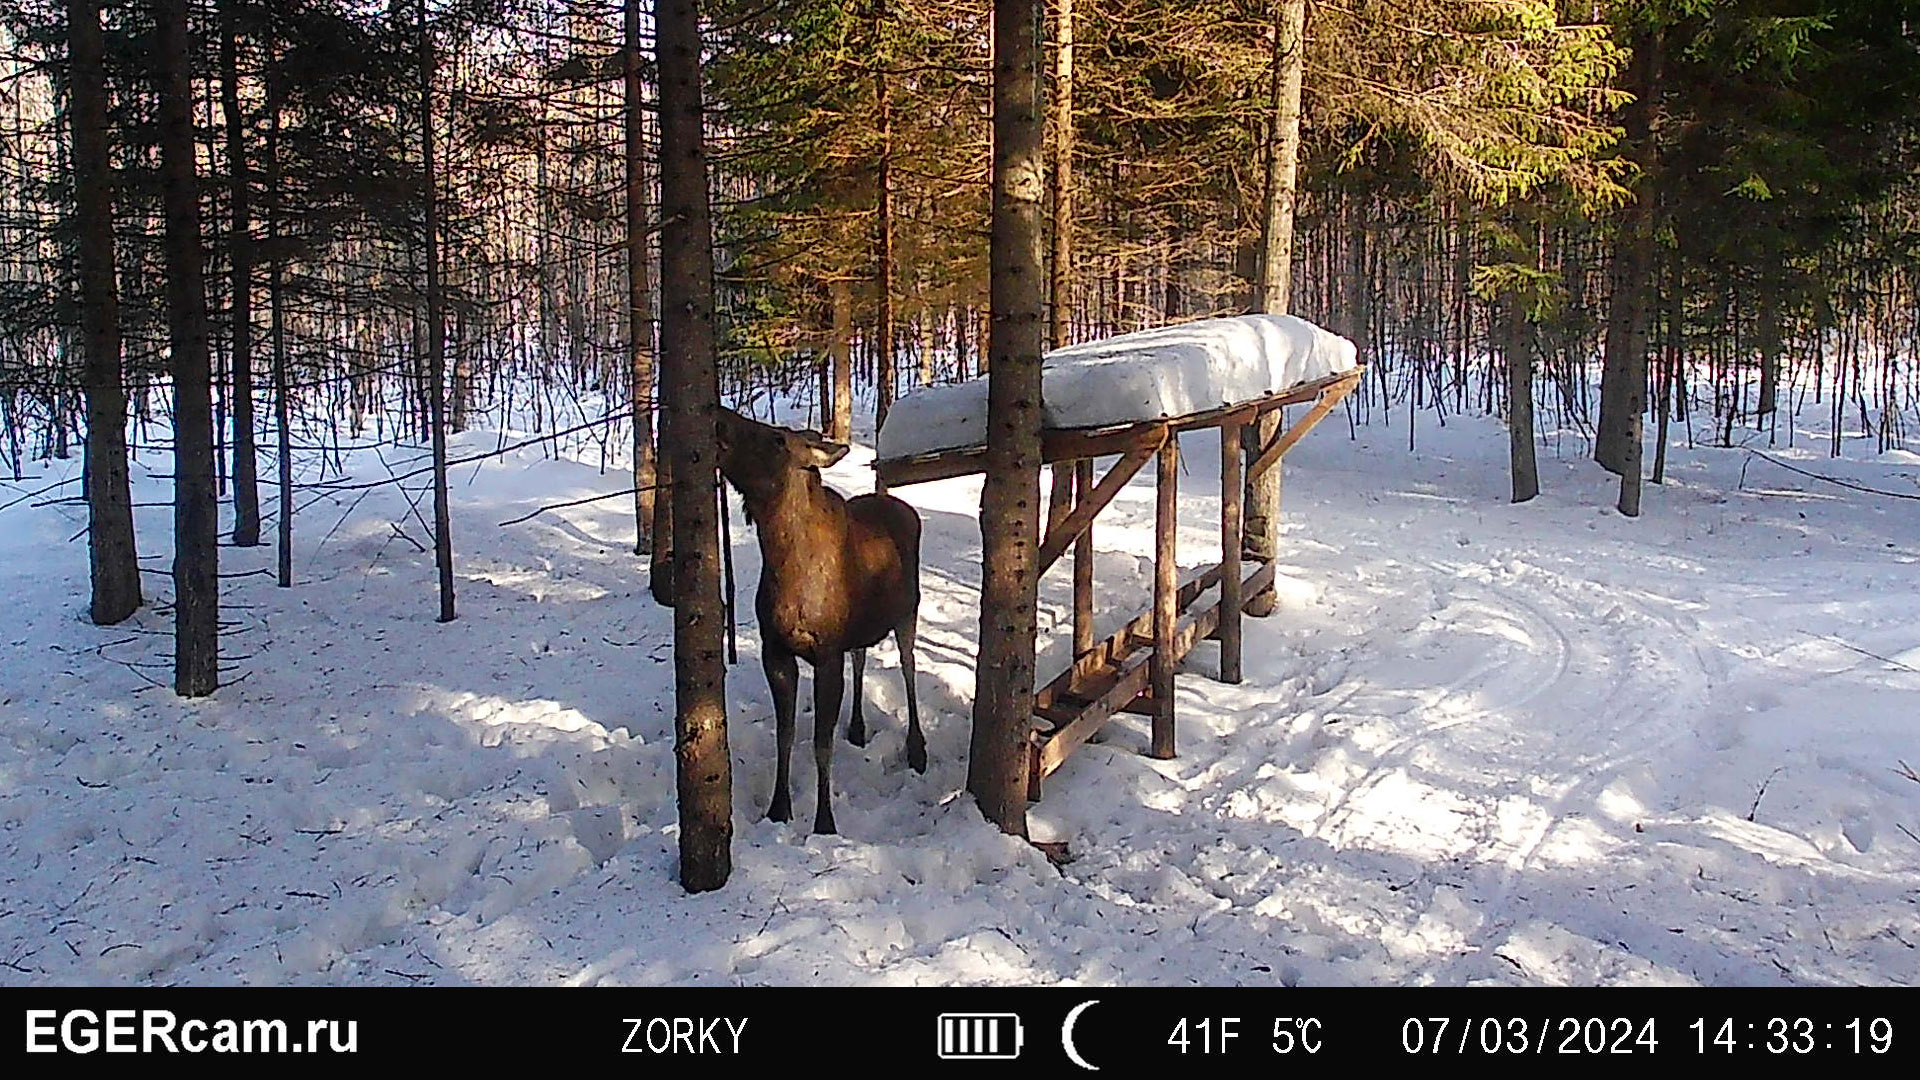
x=837 y=575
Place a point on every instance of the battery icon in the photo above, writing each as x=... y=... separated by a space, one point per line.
x=980 y=1036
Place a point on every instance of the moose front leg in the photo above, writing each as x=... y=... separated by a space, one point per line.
x=829 y=679
x=783 y=678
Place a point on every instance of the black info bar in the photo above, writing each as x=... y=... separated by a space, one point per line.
x=973 y=1030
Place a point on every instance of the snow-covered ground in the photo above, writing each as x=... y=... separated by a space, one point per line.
x=1480 y=744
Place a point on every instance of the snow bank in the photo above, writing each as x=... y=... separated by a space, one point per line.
x=1147 y=375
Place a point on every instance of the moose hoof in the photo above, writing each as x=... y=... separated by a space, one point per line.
x=823 y=825
x=781 y=810
x=917 y=757
x=857 y=733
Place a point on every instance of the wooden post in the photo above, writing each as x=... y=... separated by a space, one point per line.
x=1231 y=605
x=1165 y=612
x=1083 y=565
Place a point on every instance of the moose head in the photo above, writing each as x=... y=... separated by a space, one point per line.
x=757 y=457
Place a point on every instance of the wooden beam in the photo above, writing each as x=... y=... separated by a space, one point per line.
x=1083 y=564
x=1232 y=493
x=1054 y=748
x=1072 y=444
x=1166 y=525
x=899 y=472
x=1246 y=411
x=1063 y=533
x=1275 y=450
x=1127 y=688
x=1115 y=648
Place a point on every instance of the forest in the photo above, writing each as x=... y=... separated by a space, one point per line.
x=362 y=374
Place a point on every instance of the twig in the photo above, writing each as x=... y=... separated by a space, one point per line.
x=575 y=502
x=1863 y=652
x=1835 y=480
x=1755 y=809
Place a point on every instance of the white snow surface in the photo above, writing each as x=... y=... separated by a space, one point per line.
x=1153 y=374
x=1479 y=743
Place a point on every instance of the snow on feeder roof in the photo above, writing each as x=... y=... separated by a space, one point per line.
x=1163 y=373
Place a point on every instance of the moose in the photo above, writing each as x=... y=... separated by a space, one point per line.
x=837 y=575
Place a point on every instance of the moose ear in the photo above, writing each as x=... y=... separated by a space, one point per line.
x=819 y=452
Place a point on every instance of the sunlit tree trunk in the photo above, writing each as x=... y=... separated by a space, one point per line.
x=1010 y=499
x=1262 y=521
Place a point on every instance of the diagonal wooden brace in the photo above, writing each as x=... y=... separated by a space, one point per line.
x=1061 y=535
x=1275 y=450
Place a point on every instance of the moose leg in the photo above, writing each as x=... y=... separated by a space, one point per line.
x=829 y=679
x=857 y=727
x=903 y=636
x=783 y=678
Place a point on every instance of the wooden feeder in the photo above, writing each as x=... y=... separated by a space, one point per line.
x=1132 y=670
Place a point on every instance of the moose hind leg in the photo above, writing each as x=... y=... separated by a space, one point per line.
x=783 y=678
x=857 y=727
x=903 y=636
x=829 y=679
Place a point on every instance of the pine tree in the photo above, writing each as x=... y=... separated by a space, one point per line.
x=113 y=561
x=1010 y=498
x=690 y=389
x=196 y=559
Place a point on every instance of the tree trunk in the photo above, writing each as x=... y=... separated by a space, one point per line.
x=691 y=389
x=113 y=561
x=1009 y=501
x=246 y=459
x=842 y=360
x=436 y=326
x=1631 y=398
x=1276 y=271
x=196 y=517
x=1769 y=332
x=1519 y=349
x=276 y=302
x=1624 y=363
x=883 y=255
x=1060 y=271
x=640 y=343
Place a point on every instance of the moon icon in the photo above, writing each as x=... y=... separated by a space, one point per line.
x=1066 y=1035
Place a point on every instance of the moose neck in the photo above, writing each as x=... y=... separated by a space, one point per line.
x=794 y=512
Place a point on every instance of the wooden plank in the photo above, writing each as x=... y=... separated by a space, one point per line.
x=1123 y=688
x=1070 y=444
x=1112 y=650
x=1166 y=525
x=1083 y=564
x=1287 y=439
x=1063 y=533
x=899 y=472
x=1055 y=748
x=1246 y=411
x=1232 y=494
